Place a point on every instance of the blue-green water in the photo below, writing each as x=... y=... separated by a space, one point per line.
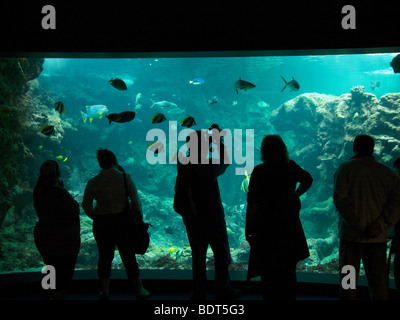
x=84 y=82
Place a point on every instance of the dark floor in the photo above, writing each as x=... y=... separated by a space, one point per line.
x=163 y=290
x=168 y=286
x=170 y=299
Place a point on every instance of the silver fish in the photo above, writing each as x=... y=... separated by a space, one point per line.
x=293 y=84
x=243 y=85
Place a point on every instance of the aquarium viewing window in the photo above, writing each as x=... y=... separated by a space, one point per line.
x=317 y=101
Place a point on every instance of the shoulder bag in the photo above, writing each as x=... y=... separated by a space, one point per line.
x=138 y=236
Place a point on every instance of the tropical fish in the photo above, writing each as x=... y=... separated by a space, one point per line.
x=157 y=147
x=95 y=111
x=178 y=253
x=118 y=84
x=122 y=117
x=213 y=100
x=65 y=159
x=243 y=85
x=158 y=118
x=234 y=102
x=163 y=104
x=59 y=157
x=47 y=130
x=172 y=250
x=130 y=142
x=196 y=81
x=245 y=183
x=293 y=84
x=59 y=106
x=40 y=147
x=188 y=122
x=375 y=84
x=6 y=112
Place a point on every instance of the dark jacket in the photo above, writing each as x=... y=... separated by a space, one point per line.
x=57 y=233
x=277 y=233
x=201 y=181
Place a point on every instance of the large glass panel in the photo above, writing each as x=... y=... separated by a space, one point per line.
x=340 y=96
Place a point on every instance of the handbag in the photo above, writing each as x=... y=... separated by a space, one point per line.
x=138 y=234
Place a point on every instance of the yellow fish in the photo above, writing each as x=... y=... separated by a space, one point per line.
x=172 y=250
x=59 y=157
x=245 y=183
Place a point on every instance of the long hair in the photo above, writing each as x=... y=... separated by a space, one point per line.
x=49 y=173
x=273 y=150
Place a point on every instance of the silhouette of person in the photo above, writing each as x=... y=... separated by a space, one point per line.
x=273 y=227
x=395 y=244
x=197 y=199
x=367 y=198
x=110 y=219
x=57 y=233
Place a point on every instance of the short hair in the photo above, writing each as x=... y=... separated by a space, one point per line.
x=274 y=150
x=106 y=159
x=363 y=145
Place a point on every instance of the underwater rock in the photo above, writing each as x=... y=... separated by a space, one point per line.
x=395 y=64
x=88 y=253
x=166 y=262
x=304 y=107
x=357 y=92
x=15 y=74
x=327 y=133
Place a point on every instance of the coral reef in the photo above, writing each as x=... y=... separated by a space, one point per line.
x=15 y=80
x=357 y=93
x=15 y=75
x=327 y=133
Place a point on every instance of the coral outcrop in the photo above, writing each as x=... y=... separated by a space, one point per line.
x=324 y=139
x=15 y=79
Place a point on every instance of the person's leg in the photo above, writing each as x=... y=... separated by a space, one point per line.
x=199 y=251
x=127 y=253
x=220 y=246
x=102 y=231
x=374 y=260
x=218 y=238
